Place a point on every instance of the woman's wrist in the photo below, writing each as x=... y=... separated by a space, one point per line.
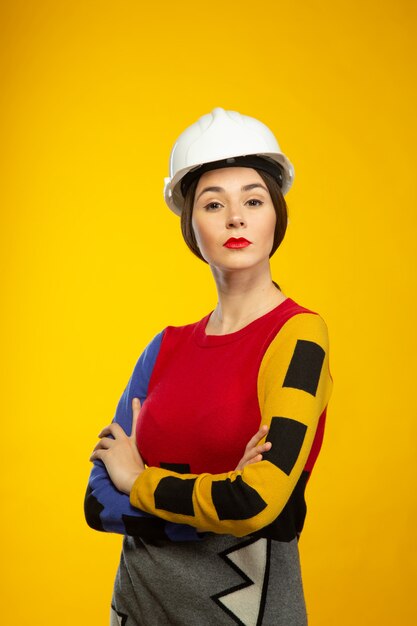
x=130 y=481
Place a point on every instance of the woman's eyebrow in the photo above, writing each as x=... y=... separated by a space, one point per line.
x=215 y=189
x=220 y=189
x=253 y=186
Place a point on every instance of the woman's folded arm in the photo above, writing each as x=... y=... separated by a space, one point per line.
x=294 y=386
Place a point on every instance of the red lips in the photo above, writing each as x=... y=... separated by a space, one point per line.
x=235 y=243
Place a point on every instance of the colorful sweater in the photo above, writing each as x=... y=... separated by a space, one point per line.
x=203 y=397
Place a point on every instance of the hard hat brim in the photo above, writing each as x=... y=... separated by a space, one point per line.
x=173 y=193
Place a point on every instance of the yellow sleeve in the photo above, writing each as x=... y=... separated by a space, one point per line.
x=294 y=386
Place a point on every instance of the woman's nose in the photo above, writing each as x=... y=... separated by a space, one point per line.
x=235 y=220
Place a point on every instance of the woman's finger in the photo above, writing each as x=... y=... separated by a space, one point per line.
x=96 y=455
x=252 y=453
x=104 y=444
x=112 y=429
x=264 y=447
x=257 y=437
x=255 y=459
x=135 y=415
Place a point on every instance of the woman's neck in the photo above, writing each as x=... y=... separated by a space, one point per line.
x=242 y=299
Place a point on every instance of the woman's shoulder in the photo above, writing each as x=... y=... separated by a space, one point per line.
x=301 y=337
x=301 y=320
x=298 y=353
x=290 y=317
x=167 y=340
x=185 y=329
x=293 y=307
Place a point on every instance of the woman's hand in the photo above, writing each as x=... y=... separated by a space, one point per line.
x=120 y=455
x=253 y=452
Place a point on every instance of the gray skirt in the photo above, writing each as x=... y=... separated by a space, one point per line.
x=218 y=581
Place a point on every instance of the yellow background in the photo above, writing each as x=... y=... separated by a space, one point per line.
x=93 y=94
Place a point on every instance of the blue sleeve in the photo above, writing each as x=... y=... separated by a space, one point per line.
x=105 y=507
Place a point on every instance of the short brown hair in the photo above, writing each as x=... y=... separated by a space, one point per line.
x=278 y=201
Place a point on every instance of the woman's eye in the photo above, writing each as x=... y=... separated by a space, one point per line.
x=254 y=202
x=212 y=206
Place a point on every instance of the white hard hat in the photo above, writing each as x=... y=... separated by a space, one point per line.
x=218 y=136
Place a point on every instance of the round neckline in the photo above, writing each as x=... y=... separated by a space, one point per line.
x=219 y=340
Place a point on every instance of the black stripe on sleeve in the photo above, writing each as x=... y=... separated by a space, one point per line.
x=92 y=510
x=175 y=495
x=149 y=528
x=287 y=436
x=289 y=523
x=236 y=499
x=305 y=367
x=180 y=468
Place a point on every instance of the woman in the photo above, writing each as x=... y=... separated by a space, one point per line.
x=211 y=522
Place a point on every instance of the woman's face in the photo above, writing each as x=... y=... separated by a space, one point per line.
x=233 y=218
